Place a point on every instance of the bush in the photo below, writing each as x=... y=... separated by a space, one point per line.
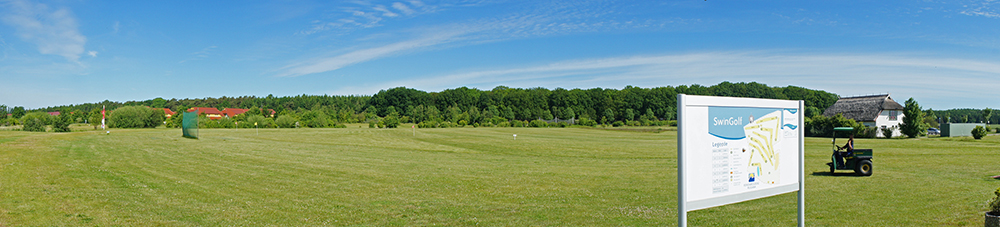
x=995 y=203
x=539 y=124
x=135 y=117
x=516 y=123
x=887 y=132
x=586 y=122
x=997 y=129
x=254 y=119
x=617 y=124
x=285 y=121
x=61 y=124
x=979 y=132
x=390 y=121
x=34 y=122
x=427 y=124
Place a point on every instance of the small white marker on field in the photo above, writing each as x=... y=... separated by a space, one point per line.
x=515 y=136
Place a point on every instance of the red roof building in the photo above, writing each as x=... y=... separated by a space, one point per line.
x=209 y=112
x=54 y=113
x=232 y=112
x=169 y=113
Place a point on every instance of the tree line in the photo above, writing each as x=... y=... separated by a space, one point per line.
x=500 y=106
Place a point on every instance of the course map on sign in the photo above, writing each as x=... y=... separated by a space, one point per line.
x=745 y=147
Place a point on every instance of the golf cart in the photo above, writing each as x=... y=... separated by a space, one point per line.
x=859 y=160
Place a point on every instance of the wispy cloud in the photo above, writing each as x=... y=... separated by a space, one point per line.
x=202 y=54
x=54 y=31
x=404 y=8
x=367 y=15
x=986 y=8
x=353 y=57
x=92 y=53
x=554 y=19
x=847 y=74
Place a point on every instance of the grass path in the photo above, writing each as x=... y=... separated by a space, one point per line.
x=455 y=176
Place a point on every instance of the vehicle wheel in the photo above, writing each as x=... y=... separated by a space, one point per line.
x=831 y=168
x=863 y=168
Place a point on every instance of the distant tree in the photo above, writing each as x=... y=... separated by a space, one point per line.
x=34 y=122
x=812 y=111
x=18 y=112
x=987 y=114
x=569 y=114
x=930 y=119
x=629 y=114
x=158 y=103
x=3 y=112
x=608 y=116
x=61 y=123
x=913 y=120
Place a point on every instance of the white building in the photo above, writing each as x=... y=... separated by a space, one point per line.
x=873 y=111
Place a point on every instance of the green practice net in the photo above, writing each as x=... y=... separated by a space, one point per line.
x=190 y=124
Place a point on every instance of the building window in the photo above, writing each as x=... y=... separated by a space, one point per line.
x=893 y=115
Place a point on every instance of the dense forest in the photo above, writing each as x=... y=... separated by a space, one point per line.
x=469 y=106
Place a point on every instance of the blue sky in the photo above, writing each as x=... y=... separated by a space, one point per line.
x=945 y=54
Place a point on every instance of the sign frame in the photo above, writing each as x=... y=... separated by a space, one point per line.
x=684 y=128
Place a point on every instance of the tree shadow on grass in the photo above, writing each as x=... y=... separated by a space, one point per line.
x=835 y=174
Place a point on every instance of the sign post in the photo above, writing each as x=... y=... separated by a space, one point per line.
x=731 y=150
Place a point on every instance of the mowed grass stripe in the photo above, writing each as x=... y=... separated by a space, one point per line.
x=455 y=176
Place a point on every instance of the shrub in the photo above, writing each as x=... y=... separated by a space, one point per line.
x=61 y=124
x=586 y=122
x=979 y=132
x=516 y=123
x=372 y=124
x=390 y=121
x=997 y=129
x=135 y=117
x=285 y=121
x=254 y=119
x=887 y=132
x=539 y=124
x=34 y=122
x=427 y=124
x=617 y=124
x=995 y=203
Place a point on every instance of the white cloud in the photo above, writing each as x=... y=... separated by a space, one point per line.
x=540 y=22
x=385 y=12
x=92 y=53
x=354 y=57
x=54 y=31
x=981 y=8
x=116 y=27
x=403 y=8
x=202 y=54
x=902 y=75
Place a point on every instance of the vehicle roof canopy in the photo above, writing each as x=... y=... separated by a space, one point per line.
x=843 y=129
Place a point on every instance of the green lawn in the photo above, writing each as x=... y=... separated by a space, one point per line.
x=455 y=176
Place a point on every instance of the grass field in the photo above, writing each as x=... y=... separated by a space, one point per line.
x=455 y=176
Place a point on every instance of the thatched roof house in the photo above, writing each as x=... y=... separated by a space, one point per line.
x=873 y=111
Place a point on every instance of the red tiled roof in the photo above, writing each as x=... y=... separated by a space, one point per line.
x=54 y=113
x=205 y=110
x=232 y=112
x=168 y=112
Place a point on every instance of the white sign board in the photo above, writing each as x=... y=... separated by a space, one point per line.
x=737 y=149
